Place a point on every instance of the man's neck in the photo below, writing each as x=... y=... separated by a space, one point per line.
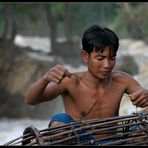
x=96 y=82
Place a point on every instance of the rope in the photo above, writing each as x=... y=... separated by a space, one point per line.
x=83 y=114
x=74 y=131
x=143 y=118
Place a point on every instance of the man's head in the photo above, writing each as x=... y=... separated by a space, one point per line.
x=100 y=46
x=98 y=38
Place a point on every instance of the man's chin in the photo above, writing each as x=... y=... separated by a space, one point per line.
x=102 y=77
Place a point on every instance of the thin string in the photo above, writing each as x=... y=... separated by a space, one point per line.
x=136 y=108
x=75 y=132
x=58 y=90
x=84 y=114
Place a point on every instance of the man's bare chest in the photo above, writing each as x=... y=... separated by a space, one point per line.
x=92 y=93
x=86 y=98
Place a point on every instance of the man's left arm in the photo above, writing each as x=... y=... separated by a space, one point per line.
x=140 y=97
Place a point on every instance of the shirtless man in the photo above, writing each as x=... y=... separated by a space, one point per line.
x=97 y=92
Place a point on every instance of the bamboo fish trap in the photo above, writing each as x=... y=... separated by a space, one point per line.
x=119 y=130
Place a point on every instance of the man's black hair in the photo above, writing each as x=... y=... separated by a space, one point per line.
x=98 y=38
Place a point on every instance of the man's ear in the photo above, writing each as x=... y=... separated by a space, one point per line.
x=85 y=56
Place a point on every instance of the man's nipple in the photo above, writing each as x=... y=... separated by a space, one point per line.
x=83 y=113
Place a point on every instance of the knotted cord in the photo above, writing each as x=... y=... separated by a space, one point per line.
x=84 y=114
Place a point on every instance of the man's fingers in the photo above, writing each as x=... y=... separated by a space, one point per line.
x=135 y=95
x=139 y=98
x=64 y=70
x=57 y=73
x=67 y=73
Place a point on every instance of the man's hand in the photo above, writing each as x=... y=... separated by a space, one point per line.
x=140 y=98
x=56 y=74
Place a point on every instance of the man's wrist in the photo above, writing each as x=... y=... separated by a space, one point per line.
x=47 y=80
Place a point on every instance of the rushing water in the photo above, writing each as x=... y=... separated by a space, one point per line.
x=13 y=128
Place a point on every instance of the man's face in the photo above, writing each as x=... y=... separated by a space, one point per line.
x=100 y=64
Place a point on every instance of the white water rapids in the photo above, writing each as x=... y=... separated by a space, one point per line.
x=13 y=128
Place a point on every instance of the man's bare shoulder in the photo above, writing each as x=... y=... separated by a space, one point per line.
x=73 y=79
x=120 y=76
x=120 y=73
x=69 y=83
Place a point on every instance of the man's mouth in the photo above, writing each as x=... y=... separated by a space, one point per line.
x=105 y=72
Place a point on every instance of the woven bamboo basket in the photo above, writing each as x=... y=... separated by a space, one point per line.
x=119 y=130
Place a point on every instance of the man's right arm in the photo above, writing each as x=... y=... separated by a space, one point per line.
x=40 y=92
x=46 y=88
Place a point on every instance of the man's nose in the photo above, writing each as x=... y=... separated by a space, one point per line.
x=106 y=63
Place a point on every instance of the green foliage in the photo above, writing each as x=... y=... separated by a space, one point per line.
x=58 y=9
x=81 y=15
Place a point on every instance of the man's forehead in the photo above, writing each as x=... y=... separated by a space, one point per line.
x=104 y=52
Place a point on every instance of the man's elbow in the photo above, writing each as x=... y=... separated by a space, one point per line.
x=29 y=101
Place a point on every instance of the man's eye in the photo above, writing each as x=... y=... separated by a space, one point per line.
x=99 y=58
x=113 y=58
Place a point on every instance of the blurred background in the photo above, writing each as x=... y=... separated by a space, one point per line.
x=36 y=36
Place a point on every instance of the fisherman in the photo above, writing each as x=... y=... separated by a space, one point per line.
x=96 y=92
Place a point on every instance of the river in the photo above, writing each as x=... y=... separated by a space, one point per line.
x=13 y=128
